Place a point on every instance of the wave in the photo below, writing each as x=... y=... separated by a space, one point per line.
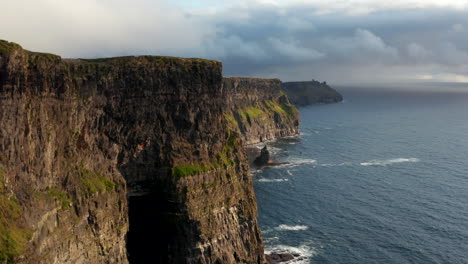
x=305 y=251
x=291 y=228
x=272 y=180
x=336 y=165
x=388 y=161
x=255 y=172
x=295 y=163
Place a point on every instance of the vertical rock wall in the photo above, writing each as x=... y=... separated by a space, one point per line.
x=77 y=135
x=259 y=109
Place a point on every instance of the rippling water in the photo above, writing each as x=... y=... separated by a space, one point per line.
x=379 y=178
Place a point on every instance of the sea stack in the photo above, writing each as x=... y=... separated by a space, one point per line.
x=264 y=158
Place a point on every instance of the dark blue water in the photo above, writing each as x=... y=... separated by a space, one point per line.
x=380 y=178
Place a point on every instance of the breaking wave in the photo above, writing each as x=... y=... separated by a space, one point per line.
x=272 y=180
x=291 y=228
x=388 y=162
x=304 y=251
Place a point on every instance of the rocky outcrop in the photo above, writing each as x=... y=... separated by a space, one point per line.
x=259 y=109
x=313 y=92
x=78 y=137
x=264 y=157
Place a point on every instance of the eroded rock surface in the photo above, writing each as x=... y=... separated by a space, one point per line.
x=78 y=137
x=259 y=109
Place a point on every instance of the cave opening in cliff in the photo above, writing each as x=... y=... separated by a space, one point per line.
x=150 y=230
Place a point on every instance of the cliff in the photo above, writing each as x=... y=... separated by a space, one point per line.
x=79 y=138
x=313 y=92
x=259 y=110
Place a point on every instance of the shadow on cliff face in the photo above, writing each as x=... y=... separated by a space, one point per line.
x=159 y=230
x=150 y=230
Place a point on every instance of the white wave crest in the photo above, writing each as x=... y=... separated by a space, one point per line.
x=305 y=251
x=291 y=228
x=273 y=180
x=336 y=165
x=388 y=162
x=255 y=172
x=295 y=163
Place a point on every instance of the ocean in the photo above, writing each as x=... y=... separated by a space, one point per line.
x=379 y=178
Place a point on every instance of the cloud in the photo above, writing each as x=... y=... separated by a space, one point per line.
x=291 y=50
x=234 y=46
x=363 y=45
x=451 y=54
x=93 y=28
x=337 y=41
x=417 y=51
x=363 y=7
x=458 y=28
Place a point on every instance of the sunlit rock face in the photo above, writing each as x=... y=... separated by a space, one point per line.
x=81 y=140
x=259 y=109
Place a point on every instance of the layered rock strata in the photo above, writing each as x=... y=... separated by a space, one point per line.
x=77 y=137
x=259 y=109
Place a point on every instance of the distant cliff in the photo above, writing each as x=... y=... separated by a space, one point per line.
x=259 y=109
x=313 y=92
x=80 y=140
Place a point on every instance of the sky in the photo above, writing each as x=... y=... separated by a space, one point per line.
x=338 y=41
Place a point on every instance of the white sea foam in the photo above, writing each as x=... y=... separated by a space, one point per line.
x=255 y=172
x=291 y=228
x=336 y=165
x=297 y=162
x=305 y=251
x=272 y=180
x=388 y=161
x=289 y=172
x=271 y=149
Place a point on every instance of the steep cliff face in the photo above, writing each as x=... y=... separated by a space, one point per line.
x=313 y=92
x=259 y=109
x=77 y=136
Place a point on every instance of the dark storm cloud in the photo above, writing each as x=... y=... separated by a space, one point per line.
x=405 y=44
x=338 y=41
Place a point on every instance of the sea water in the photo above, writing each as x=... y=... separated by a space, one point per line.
x=379 y=178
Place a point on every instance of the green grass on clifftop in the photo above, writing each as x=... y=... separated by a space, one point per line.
x=151 y=59
x=7 y=47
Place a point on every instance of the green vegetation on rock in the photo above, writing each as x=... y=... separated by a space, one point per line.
x=250 y=112
x=266 y=108
x=231 y=120
x=60 y=196
x=187 y=170
x=13 y=237
x=222 y=159
x=7 y=47
x=151 y=59
x=42 y=55
x=94 y=181
x=281 y=108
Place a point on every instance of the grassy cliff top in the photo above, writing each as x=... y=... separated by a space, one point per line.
x=236 y=78
x=8 y=47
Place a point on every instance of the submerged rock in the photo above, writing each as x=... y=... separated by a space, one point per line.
x=276 y=257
